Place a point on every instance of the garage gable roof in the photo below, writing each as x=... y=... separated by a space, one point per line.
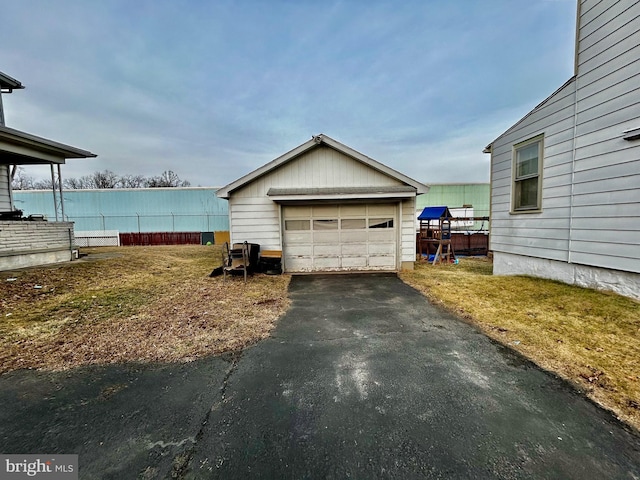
x=225 y=192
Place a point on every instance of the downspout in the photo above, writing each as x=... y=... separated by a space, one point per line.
x=573 y=166
x=489 y=223
x=575 y=58
x=489 y=150
x=575 y=128
x=1 y=110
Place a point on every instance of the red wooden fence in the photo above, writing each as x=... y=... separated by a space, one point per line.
x=474 y=244
x=160 y=238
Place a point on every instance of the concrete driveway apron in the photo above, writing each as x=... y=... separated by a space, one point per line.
x=364 y=378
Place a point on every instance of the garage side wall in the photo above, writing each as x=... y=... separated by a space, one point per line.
x=408 y=234
x=255 y=219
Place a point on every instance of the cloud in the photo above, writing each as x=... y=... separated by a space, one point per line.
x=214 y=90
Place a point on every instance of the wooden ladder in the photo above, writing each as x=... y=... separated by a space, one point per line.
x=444 y=252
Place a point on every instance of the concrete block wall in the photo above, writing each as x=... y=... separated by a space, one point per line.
x=26 y=244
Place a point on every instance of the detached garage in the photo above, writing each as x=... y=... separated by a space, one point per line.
x=328 y=208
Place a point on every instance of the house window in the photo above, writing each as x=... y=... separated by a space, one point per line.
x=527 y=175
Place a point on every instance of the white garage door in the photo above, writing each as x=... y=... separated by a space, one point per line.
x=340 y=237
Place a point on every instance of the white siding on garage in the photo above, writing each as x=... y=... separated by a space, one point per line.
x=255 y=218
x=5 y=194
x=321 y=167
x=408 y=231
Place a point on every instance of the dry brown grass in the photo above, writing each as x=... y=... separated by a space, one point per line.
x=158 y=304
x=132 y=304
x=590 y=338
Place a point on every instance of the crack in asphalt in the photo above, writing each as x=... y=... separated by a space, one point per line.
x=182 y=462
x=233 y=358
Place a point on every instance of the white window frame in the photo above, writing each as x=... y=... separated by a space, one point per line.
x=515 y=209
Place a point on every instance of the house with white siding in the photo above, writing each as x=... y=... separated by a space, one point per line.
x=565 y=196
x=327 y=207
x=26 y=242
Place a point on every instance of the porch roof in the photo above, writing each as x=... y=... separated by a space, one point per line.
x=21 y=148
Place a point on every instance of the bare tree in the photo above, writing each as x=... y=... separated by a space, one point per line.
x=101 y=180
x=132 y=181
x=104 y=179
x=44 y=184
x=22 y=181
x=168 y=179
x=75 y=183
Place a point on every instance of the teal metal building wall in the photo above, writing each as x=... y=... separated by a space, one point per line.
x=191 y=209
x=457 y=195
x=133 y=210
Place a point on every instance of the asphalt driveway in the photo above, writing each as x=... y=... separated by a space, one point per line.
x=362 y=378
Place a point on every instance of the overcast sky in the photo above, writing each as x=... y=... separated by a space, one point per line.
x=213 y=89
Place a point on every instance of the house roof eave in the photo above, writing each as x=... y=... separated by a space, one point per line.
x=534 y=109
x=9 y=83
x=36 y=149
